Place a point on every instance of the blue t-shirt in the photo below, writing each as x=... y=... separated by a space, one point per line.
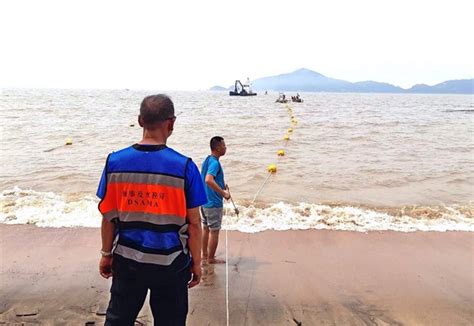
x=212 y=166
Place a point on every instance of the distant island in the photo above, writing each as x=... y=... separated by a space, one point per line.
x=306 y=80
x=218 y=88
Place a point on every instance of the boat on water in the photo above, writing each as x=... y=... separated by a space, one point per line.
x=242 y=89
x=281 y=98
x=297 y=98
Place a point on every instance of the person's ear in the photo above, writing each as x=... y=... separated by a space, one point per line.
x=140 y=122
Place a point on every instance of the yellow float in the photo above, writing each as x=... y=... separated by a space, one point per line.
x=272 y=168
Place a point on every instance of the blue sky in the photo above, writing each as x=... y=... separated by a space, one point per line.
x=189 y=45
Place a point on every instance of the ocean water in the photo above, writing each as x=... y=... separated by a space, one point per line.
x=357 y=162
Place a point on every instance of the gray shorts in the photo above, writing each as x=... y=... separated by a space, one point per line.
x=212 y=218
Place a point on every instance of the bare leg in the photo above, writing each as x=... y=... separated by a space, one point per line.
x=205 y=240
x=213 y=242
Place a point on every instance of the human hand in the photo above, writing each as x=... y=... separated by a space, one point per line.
x=226 y=195
x=196 y=272
x=105 y=266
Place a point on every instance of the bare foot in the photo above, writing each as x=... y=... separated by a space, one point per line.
x=215 y=261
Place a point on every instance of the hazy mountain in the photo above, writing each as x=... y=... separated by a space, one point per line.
x=419 y=88
x=375 y=87
x=302 y=80
x=311 y=81
x=217 y=88
x=460 y=86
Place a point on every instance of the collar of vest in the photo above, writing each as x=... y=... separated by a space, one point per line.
x=149 y=148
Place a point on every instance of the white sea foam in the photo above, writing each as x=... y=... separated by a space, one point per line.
x=47 y=209
x=284 y=216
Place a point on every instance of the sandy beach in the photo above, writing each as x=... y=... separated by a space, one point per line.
x=49 y=276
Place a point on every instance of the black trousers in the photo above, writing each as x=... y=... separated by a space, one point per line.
x=130 y=285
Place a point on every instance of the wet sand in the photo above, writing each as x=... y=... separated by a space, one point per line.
x=313 y=277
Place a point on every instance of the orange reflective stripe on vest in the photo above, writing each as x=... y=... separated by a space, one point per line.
x=145 y=198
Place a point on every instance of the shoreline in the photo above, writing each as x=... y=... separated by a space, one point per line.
x=275 y=277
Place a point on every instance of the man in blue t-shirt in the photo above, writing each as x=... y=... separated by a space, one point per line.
x=211 y=213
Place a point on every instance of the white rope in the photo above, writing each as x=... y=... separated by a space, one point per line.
x=226 y=271
x=259 y=190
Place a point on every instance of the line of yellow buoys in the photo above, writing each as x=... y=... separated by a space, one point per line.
x=272 y=168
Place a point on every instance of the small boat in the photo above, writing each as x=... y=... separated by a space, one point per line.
x=242 y=89
x=297 y=98
x=281 y=98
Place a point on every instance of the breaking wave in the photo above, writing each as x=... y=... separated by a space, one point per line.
x=48 y=209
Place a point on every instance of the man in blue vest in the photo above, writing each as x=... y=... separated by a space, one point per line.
x=211 y=213
x=151 y=231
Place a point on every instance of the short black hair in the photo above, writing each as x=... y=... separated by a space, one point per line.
x=215 y=141
x=156 y=108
